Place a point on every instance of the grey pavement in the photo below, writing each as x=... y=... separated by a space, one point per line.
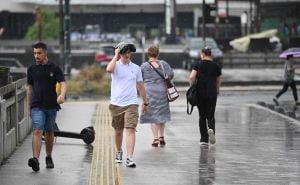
x=71 y=157
x=254 y=146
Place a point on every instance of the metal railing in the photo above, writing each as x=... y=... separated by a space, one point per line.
x=14 y=120
x=254 y=60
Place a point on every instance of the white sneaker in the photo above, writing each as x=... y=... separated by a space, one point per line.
x=130 y=163
x=211 y=136
x=203 y=144
x=118 y=158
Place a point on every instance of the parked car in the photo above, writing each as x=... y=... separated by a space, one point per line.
x=16 y=68
x=104 y=54
x=193 y=48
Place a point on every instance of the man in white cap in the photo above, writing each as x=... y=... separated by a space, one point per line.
x=126 y=81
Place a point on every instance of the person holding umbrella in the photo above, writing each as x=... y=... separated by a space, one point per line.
x=289 y=73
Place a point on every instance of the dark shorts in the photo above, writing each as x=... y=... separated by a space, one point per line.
x=124 y=117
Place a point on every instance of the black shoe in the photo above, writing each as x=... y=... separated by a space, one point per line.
x=49 y=162
x=34 y=164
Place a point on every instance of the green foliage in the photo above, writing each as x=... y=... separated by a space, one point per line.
x=92 y=79
x=50 y=27
x=276 y=23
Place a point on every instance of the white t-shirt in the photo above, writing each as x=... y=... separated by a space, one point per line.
x=123 y=84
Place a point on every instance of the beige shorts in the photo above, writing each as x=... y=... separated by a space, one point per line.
x=124 y=117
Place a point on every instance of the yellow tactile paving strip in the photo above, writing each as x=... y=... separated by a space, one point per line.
x=103 y=170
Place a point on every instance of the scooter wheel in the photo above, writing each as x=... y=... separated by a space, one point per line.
x=88 y=135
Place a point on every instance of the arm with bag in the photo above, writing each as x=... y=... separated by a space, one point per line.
x=192 y=92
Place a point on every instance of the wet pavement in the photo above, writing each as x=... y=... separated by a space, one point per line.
x=255 y=145
x=72 y=157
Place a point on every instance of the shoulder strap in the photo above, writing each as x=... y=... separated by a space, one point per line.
x=156 y=71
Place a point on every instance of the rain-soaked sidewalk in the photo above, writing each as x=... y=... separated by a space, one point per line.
x=254 y=146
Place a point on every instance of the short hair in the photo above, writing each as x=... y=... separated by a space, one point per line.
x=206 y=50
x=289 y=56
x=153 y=51
x=40 y=45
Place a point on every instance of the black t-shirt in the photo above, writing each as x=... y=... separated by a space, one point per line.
x=43 y=79
x=207 y=74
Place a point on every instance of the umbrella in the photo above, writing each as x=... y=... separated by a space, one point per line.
x=291 y=51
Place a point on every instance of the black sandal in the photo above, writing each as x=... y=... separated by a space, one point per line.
x=155 y=143
x=162 y=141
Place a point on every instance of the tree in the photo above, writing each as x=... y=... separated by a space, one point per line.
x=49 y=24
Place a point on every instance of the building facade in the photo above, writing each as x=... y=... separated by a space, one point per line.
x=131 y=15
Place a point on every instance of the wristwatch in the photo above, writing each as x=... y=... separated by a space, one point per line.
x=146 y=104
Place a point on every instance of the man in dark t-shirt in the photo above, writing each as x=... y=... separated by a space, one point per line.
x=207 y=75
x=43 y=102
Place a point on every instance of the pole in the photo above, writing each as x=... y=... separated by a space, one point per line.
x=174 y=21
x=170 y=20
x=38 y=16
x=257 y=16
x=143 y=48
x=67 y=44
x=203 y=21
x=61 y=34
x=217 y=20
x=250 y=16
x=227 y=12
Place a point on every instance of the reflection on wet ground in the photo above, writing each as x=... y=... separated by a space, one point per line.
x=207 y=165
x=256 y=147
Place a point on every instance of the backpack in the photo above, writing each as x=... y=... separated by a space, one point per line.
x=191 y=97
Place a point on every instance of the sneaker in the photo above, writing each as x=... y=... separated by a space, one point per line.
x=211 y=136
x=118 y=158
x=34 y=164
x=130 y=163
x=203 y=144
x=49 y=162
x=275 y=100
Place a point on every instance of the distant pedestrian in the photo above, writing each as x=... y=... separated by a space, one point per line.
x=287 y=35
x=289 y=73
x=43 y=102
x=126 y=81
x=244 y=23
x=298 y=30
x=158 y=109
x=207 y=74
